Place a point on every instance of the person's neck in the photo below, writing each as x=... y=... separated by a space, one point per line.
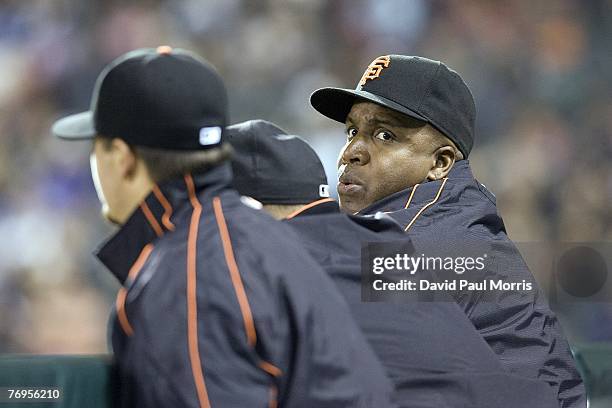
x=159 y=213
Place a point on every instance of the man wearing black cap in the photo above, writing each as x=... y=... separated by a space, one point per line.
x=218 y=306
x=410 y=129
x=431 y=351
x=279 y=170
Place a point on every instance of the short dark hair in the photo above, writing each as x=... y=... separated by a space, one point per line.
x=163 y=164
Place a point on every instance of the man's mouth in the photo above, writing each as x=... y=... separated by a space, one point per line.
x=348 y=184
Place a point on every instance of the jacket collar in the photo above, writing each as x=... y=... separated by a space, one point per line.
x=155 y=216
x=323 y=206
x=422 y=193
x=378 y=222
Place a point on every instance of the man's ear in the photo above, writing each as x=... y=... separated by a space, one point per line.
x=125 y=158
x=443 y=160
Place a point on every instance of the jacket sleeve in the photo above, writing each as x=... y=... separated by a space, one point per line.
x=165 y=366
x=305 y=328
x=269 y=329
x=522 y=330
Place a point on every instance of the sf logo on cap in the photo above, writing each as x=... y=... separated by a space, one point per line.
x=374 y=69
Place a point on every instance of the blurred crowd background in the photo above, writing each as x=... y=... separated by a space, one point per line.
x=540 y=71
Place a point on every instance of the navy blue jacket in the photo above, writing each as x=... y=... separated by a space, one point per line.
x=459 y=213
x=219 y=306
x=431 y=350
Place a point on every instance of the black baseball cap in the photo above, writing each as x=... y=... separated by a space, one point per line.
x=274 y=167
x=421 y=88
x=164 y=98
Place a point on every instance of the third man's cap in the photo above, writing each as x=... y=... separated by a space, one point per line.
x=421 y=88
x=274 y=167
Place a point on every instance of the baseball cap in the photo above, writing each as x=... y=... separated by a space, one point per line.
x=274 y=167
x=164 y=98
x=421 y=88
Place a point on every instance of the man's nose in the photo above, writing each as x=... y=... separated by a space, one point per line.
x=355 y=152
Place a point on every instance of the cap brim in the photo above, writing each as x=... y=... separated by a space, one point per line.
x=75 y=127
x=336 y=103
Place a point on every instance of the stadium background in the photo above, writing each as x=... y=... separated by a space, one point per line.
x=541 y=73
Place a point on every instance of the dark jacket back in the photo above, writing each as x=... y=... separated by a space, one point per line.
x=221 y=307
x=430 y=350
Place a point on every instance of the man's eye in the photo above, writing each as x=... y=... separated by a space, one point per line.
x=384 y=136
x=351 y=133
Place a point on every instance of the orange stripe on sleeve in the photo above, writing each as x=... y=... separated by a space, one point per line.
x=273 y=397
x=151 y=218
x=270 y=369
x=167 y=208
x=121 y=315
x=274 y=372
x=238 y=288
x=308 y=206
x=122 y=294
x=243 y=301
x=192 y=302
x=140 y=261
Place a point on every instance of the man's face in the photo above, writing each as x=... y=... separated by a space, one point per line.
x=385 y=152
x=121 y=179
x=105 y=177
